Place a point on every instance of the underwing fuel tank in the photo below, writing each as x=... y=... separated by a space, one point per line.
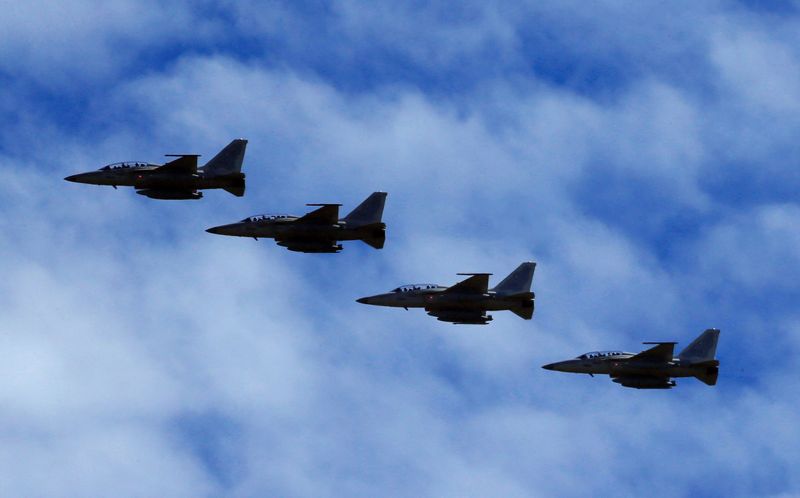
x=314 y=247
x=169 y=194
x=460 y=317
x=645 y=382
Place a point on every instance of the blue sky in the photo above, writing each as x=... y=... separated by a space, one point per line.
x=643 y=153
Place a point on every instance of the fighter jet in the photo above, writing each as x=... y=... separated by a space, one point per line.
x=318 y=231
x=467 y=301
x=653 y=368
x=177 y=179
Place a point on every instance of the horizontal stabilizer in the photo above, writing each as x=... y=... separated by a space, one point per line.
x=375 y=235
x=237 y=190
x=525 y=311
x=708 y=375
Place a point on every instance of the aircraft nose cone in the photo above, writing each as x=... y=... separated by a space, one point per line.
x=363 y=300
x=214 y=230
x=80 y=178
x=549 y=366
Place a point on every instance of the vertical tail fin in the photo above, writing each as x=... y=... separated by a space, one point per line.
x=228 y=161
x=368 y=212
x=519 y=281
x=704 y=348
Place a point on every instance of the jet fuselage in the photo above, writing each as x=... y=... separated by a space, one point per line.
x=318 y=231
x=147 y=177
x=432 y=297
x=467 y=301
x=653 y=368
x=621 y=365
x=287 y=228
x=179 y=178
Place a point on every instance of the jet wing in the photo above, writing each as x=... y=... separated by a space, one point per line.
x=183 y=164
x=328 y=214
x=476 y=284
x=661 y=352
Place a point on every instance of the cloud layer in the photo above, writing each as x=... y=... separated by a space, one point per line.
x=646 y=160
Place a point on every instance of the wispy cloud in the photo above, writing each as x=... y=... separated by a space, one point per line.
x=645 y=160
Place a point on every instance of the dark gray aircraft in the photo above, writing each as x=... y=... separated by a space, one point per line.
x=177 y=179
x=467 y=301
x=653 y=368
x=318 y=231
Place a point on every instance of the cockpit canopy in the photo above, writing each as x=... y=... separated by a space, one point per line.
x=417 y=287
x=126 y=165
x=599 y=354
x=262 y=217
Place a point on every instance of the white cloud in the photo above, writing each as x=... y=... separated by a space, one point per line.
x=125 y=324
x=59 y=44
x=756 y=249
x=760 y=66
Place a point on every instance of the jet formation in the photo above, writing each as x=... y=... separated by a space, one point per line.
x=653 y=368
x=318 y=231
x=177 y=179
x=467 y=301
